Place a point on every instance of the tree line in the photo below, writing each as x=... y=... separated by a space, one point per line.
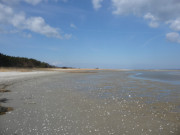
x=11 y=61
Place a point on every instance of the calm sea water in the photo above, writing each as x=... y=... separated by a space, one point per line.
x=162 y=76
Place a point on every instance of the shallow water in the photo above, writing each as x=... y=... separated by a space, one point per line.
x=102 y=103
x=163 y=76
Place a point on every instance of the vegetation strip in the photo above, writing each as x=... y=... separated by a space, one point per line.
x=11 y=61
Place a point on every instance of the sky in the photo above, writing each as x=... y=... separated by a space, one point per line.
x=116 y=34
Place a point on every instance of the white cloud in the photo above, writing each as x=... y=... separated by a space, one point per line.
x=67 y=36
x=173 y=37
x=175 y=24
x=153 y=20
x=153 y=24
x=5 y=13
x=38 y=25
x=33 y=2
x=162 y=9
x=27 y=35
x=73 y=26
x=127 y=6
x=61 y=0
x=97 y=4
x=156 y=12
x=149 y=16
x=34 y=24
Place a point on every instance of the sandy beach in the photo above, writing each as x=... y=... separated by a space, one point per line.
x=88 y=102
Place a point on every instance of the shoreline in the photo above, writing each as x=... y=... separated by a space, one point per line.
x=11 y=69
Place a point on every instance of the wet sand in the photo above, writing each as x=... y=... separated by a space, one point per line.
x=85 y=103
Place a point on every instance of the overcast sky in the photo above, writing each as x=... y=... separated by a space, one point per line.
x=93 y=33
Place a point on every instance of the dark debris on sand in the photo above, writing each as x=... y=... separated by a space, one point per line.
x=3 y=110
x=4 y=90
